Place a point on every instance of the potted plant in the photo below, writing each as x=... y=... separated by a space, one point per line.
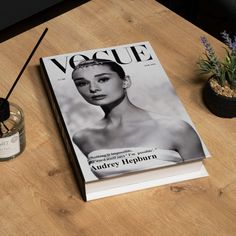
x=219 y=93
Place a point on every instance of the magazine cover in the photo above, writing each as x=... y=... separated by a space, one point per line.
x=121 y=112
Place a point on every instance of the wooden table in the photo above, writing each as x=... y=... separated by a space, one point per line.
x=38 y=191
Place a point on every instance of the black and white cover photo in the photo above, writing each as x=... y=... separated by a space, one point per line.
x=121 y=111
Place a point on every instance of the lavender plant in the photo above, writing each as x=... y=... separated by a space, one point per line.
x=222 y=70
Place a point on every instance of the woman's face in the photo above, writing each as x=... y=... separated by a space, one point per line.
x=98 y=84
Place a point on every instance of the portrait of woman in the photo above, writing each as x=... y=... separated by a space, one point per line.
x=127 y=138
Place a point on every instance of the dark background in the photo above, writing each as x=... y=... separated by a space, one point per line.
x=12 y=11
x=213 y=16
x=17 y=16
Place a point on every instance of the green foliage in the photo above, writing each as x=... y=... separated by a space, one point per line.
x=230 y=69
x=222 y=70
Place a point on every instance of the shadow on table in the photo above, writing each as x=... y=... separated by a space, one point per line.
x=39 y=18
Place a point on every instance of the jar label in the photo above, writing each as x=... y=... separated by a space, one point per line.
x=10 y=146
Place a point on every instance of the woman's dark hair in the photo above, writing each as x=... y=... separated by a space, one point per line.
x=113 y=65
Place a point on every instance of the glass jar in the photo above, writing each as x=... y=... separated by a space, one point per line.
x=12 y=134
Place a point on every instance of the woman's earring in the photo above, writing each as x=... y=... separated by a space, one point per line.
x=126 y=82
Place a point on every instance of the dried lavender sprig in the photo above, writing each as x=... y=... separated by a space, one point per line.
x=210 y=53
x=209 y=50
x=229 y=42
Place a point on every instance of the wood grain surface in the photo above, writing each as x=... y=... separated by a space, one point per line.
x=38 y=191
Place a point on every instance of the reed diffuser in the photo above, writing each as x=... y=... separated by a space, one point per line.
x=12 y=130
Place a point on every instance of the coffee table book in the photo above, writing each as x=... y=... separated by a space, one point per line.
x=152 y=142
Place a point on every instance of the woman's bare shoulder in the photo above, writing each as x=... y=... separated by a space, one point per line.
x=169 y=122
x=82 y=135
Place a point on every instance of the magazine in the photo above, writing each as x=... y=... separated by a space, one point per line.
x=123 y=125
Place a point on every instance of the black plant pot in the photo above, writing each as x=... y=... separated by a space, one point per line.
x=219 y=105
